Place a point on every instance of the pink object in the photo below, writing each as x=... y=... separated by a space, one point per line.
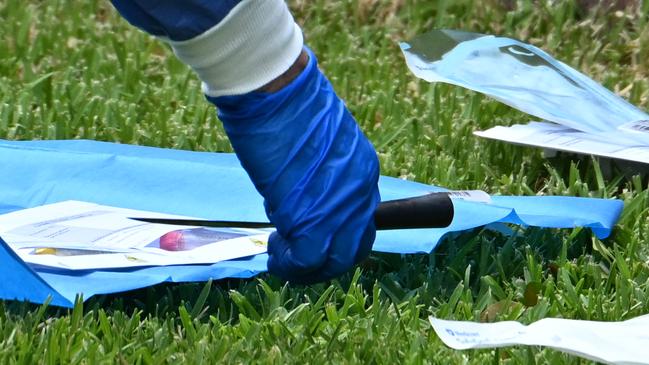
x=189 y=239
x=173 y=241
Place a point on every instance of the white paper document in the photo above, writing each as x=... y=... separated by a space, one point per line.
x=556 y=137
x=611 y=342
x=80 y=236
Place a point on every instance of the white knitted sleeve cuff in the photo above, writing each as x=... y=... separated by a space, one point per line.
x=254 y=44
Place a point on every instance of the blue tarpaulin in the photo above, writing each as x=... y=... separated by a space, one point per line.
x=211 y=186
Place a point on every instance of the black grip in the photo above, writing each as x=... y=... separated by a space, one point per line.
x=434 y=210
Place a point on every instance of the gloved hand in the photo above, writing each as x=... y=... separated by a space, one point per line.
x=316 y=170
x=300 y=145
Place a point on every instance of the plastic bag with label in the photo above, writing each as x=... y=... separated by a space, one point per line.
x=528 y=79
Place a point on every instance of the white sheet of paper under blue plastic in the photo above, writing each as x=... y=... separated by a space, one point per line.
x=211 y=186
x=528 y=79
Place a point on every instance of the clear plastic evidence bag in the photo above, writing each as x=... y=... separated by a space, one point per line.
x=528 y=79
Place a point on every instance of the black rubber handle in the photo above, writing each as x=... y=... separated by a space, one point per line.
x=434 y=210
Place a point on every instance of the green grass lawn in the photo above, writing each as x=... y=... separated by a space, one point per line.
x=75 y=69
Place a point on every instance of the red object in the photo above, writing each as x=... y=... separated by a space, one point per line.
x=173 y=241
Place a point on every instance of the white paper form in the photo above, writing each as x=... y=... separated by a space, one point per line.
x=86 y=225
x=81 y=236
x=611 y=342
x=556 y=137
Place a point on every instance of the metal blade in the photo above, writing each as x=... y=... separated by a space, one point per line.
x=205 y=223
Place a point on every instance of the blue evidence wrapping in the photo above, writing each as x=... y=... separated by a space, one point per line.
x=212 y=186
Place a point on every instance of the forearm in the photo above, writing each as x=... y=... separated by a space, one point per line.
x=288 y=76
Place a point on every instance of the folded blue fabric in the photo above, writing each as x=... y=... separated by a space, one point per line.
x=211 y=186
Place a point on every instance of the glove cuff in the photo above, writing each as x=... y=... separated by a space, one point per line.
x=254 y=44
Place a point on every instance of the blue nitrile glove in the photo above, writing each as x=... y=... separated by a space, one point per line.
x=300 y=145
x=316 y=170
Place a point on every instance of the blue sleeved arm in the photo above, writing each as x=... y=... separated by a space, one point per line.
x=173 y=19
x=303 y=150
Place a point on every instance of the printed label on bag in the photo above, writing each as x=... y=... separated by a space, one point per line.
x=638 y=126
x=470 y=195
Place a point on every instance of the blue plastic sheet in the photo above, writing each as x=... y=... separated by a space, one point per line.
x=211 y=186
